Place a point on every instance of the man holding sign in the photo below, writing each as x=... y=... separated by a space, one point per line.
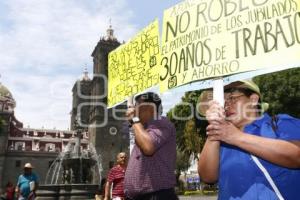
x=251 y=155
x=150 y=171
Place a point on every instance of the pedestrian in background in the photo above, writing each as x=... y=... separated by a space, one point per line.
x=114 y=186
x=27 y=184
x=9 y=191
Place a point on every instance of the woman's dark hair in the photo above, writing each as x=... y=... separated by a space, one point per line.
x=151 y=97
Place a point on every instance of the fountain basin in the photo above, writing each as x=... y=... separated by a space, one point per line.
x=67 y=192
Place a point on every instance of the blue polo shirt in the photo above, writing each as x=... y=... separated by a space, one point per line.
x=23 y=183
x=239 y=176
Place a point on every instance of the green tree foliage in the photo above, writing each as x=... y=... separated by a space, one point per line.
x=188 y=128
x=188 y=138
x=182 y=162
x=192 y=139
x=282 y=91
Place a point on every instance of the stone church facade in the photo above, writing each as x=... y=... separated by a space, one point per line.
x=107 y=129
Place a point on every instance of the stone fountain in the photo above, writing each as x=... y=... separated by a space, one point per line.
x=75 y=174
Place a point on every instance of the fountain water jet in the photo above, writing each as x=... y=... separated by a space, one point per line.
x=74 y=174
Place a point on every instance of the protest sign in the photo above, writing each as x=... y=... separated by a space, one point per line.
x=134 y=66
x=206 y=39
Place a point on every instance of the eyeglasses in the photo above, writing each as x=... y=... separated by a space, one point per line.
x=233 y=98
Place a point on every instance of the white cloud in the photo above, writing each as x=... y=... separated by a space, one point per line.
x=43 y=100
x=58 y=33
x=44 y=47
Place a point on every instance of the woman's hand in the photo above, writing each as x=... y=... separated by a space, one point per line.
x=219 y=129
x=215 y=113
x=224 y=131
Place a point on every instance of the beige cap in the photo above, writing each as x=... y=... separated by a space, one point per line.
x=28 y=165
x=251 y=85
x=207 y=95
x=248 y=84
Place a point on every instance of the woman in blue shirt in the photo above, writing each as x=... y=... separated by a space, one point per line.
x=250 y=155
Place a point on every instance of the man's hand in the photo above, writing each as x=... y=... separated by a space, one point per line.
x=130 y=113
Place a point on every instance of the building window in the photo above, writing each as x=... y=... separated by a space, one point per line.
x=35 y=133
x=50 y=147
x=18 y=163
x=20 y=146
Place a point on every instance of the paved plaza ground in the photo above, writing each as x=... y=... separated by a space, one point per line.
x=198 y=197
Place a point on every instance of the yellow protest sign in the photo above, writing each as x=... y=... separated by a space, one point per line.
x=205 y=39
x=134 y=66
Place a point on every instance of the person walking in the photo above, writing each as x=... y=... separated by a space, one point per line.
x=115 y=179
x=9 y=191
x=27 y=184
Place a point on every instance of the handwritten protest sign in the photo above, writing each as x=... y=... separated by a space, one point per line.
x=134 y=66
x=205 y=39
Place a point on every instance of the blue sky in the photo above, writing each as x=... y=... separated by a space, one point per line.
x=45 y=46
